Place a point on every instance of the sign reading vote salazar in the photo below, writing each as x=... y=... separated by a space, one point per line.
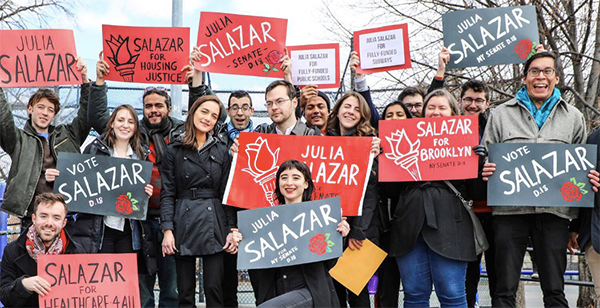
x=541 y=174
x=490 y=36
x=103 y=185
x=290 y=234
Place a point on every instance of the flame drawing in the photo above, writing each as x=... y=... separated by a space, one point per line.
x=262 y=165
x=405 y=153
x=122 y=58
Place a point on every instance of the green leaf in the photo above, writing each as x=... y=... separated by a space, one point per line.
x=134 y=207
x=267 y=66
x=327 y=235
x=330 y=243
x=573 y=180
x=328 y=249
x=129 y=195
x=275 y=69
x=265 y=70
x=133 y=201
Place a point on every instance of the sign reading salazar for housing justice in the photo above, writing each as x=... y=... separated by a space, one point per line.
x=340 y=166
x=490 y=36
x=382 y=49
x=541 y=174
x=316 y=64
x=429 y=149
x=91 y=280
x=290 y=234
x=103 y=185
x=241 y=44
x=146 y=54
x=38 y=58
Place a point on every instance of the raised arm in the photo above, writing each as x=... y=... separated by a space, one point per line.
x=9 y=133
x=98 y=113
x=438 y=80
x=361 y=86
x=80 y=127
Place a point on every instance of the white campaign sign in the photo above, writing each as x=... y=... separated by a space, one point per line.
x=381 y=49
x=316 y=66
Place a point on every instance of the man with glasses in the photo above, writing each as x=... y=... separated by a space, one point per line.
x=412 y=98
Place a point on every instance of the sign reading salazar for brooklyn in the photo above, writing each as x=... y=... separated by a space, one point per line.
x=490 y=36
x=541 y=174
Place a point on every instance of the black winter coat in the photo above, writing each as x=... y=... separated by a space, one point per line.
x=299 y=130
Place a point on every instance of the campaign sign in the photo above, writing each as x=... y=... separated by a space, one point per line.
x=90 y=280
x=316 y=64
x=146 y=54
x=382 y=49
x=429 y=149
x=38 y=58
x=290 y=234
x=541 y=174
x=340 y=166
x=503 y=35
x=103 y=185
x=241 y=44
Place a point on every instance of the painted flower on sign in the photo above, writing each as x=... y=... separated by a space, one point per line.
x=126 y=204
x=572 y=190
x=272 y=58
x=320 y=243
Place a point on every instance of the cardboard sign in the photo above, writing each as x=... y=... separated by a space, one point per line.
x=290 y=234
x=38 y=58
x=146 y=54
x=103 y=185
x=354 y=269
x=316 y=64
x=429 y=149
x=494 y=36
x=541 y=174
x=241 y=44
x=382 y=49
x=90 y=280
x=340 y=166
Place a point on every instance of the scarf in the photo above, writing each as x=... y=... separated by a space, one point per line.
x=234 y=132
x=158 y=133
x=539 y=115
x=35 y=246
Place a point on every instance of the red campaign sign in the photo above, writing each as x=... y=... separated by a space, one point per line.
x=38 y=58
x=429 y=149
x=146 y=54
x=382 y=49
x=316 y=64
x=90 y=280
x=241 y=44
x=340 y=166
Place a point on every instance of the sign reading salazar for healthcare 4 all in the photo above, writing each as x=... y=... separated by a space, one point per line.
x=316 y=64
x=146 y=54
x=382 y=49
x=103 y=185
x=290 y=234
x=428 y=149
x=90 y=280
x=241 y=44
x=340 y=166
x=541 y=174
x=490 y=36
x=38 y=58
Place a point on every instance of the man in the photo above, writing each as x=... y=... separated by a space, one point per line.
x=19 y=283
x=316 y=107
x=240 y=111
x=34 y=148
x=412 y=98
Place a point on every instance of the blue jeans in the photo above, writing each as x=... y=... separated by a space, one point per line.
x=167 y=276
x=422 y=267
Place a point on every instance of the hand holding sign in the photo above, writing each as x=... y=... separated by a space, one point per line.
x=101 y=69
x=355 y=64
x=36 y=284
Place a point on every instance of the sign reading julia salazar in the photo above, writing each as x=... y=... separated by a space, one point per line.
x=38 y=58
x=103 y=185
x=429 y=149
x=541 y=174
x=290 y=234
x=490 y=36
x=383 y=49
x=316 y=64
x=90 y=280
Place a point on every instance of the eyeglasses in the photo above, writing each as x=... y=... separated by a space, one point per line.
x=235 y=108
x=151 y=88
x=278 y=102
x=534 y=72
x=415 y=106
x=478 y=101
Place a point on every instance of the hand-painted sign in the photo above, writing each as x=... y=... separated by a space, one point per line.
x=493 y=36
x=541 y=174
x=316 y=64
x=38 y=58
x=90 y=280
x=382 y=49
x=146 y=54
x=103 y=185
x=241 y=44
x=340 y=166
x=428 y=149
x=290 y=234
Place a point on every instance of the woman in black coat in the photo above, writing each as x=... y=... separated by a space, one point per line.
x=194 y=220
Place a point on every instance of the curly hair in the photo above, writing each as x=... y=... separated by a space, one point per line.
x=363 y=128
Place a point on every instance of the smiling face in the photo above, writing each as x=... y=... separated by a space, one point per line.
x=394 y=112
x=414 y=103
x=438 y=106
x=279 y=105
x=206 y=116
x=348 y=114
x=540 y=87
x=42 y=113
x=473 y=102
x=155 y=108
x=49 y=219
x=124 y=125
x=240 y=118
x=292 y=185
x=316 y=112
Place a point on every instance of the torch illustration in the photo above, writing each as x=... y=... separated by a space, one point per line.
x=122 y=58
x=262 y=165
x=405 y=153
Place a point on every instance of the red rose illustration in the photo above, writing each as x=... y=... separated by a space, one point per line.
x=318 y=244
x=124 y=205
x=570 y=192
x=523 y=48
x=274 y=56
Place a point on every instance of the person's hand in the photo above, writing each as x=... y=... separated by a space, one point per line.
x=286 y=66
x=594 y=179
x=189 y=73
x=443 y=59
x=572 y=246
x=480 y=150
x=149 y=189
x=232 y=242
x=355 y=63
x=540 y=48
x=82 y=67
x=488 y=170
x=376 y=146
x=343 y=227
x=307 y=93
x=193 y=75
x=235 y=147
x=51 y=174
x=195 y=55
x=36 y=284
x=355 y=244
x=168 y=243
x=101 y=69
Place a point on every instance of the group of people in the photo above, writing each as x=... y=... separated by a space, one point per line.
x=424 y=226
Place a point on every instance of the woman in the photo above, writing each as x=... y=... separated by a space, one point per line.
x=306 y=285
x=395 y=110
x=194 y=220
x=432 y=233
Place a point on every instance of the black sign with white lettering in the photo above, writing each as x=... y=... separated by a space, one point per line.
x=538 y=174
x=103 y=185
x=291 y=234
